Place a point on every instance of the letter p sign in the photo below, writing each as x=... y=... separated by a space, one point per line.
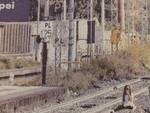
x=2 y=6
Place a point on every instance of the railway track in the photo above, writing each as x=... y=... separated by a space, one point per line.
x=98 y=101
x=93 y=103
x=102 y=108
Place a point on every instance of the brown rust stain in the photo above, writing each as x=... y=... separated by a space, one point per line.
x=115 y=36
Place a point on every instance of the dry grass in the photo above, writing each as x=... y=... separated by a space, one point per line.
x=16 y=63
x=5 y=63
x=141 y=54
x=75 y=81
x=2 y=111
x=124 y=64
x=35 y=81
x=20 y=63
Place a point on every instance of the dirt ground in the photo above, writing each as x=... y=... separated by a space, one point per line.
x=142 y=105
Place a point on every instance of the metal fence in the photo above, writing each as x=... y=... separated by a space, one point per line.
x=15 y=38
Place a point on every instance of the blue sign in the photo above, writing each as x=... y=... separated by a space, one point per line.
x=14 y=10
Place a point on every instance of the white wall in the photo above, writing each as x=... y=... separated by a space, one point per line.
x=64 y=34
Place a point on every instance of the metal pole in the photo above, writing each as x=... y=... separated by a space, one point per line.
x=77 y=38
x=91 y=10
x=46 y=10
x=90 y=46
x=58 y=42
x=147 y=19
x=71 y=34
x=122 y=14
x=44 y=62
x=145 y=23
x=103 y=22
x=133 y=18
x=38 y=16
x=65 y=9
x=129 y=19
x=38 y=19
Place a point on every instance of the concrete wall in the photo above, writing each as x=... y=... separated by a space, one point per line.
x=60 y=30
x=57 y=44
x=58 y=41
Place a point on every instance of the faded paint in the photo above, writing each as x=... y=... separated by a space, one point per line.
x=81 y=44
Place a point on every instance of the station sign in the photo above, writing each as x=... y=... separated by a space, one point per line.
x=14 y=10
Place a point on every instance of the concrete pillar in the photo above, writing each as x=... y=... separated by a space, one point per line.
x=91 y=10
x=71 y=34
x=65 y=10
x=122 y=14
x=46 y=10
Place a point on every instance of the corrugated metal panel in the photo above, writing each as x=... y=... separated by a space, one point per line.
x=15 y=38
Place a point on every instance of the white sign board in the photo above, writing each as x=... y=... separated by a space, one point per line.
x=46 y=30
x=11 y=79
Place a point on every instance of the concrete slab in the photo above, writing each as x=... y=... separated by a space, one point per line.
x=14 y=99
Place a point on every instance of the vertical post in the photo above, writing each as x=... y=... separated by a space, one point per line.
x=147 y=19
x=38 y=16
x=77 y=38
x=144 y=19
x=46 y=10
x=91 y=10
x=133 y=18
x=129 y=19
x=71 y=34
x=114 y=12
x=58 y=42
x=149 y=90
x=44 y=62
x=38 y=19
x=91 y=29
x=122 y=14
x=103 y=22
x=65 y=9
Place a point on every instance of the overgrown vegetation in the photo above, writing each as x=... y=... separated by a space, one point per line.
x=16 y=63
x=2 y=111
x=124 y=64
x=128 y=63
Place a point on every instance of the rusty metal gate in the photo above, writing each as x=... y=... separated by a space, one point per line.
x=15 y=38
